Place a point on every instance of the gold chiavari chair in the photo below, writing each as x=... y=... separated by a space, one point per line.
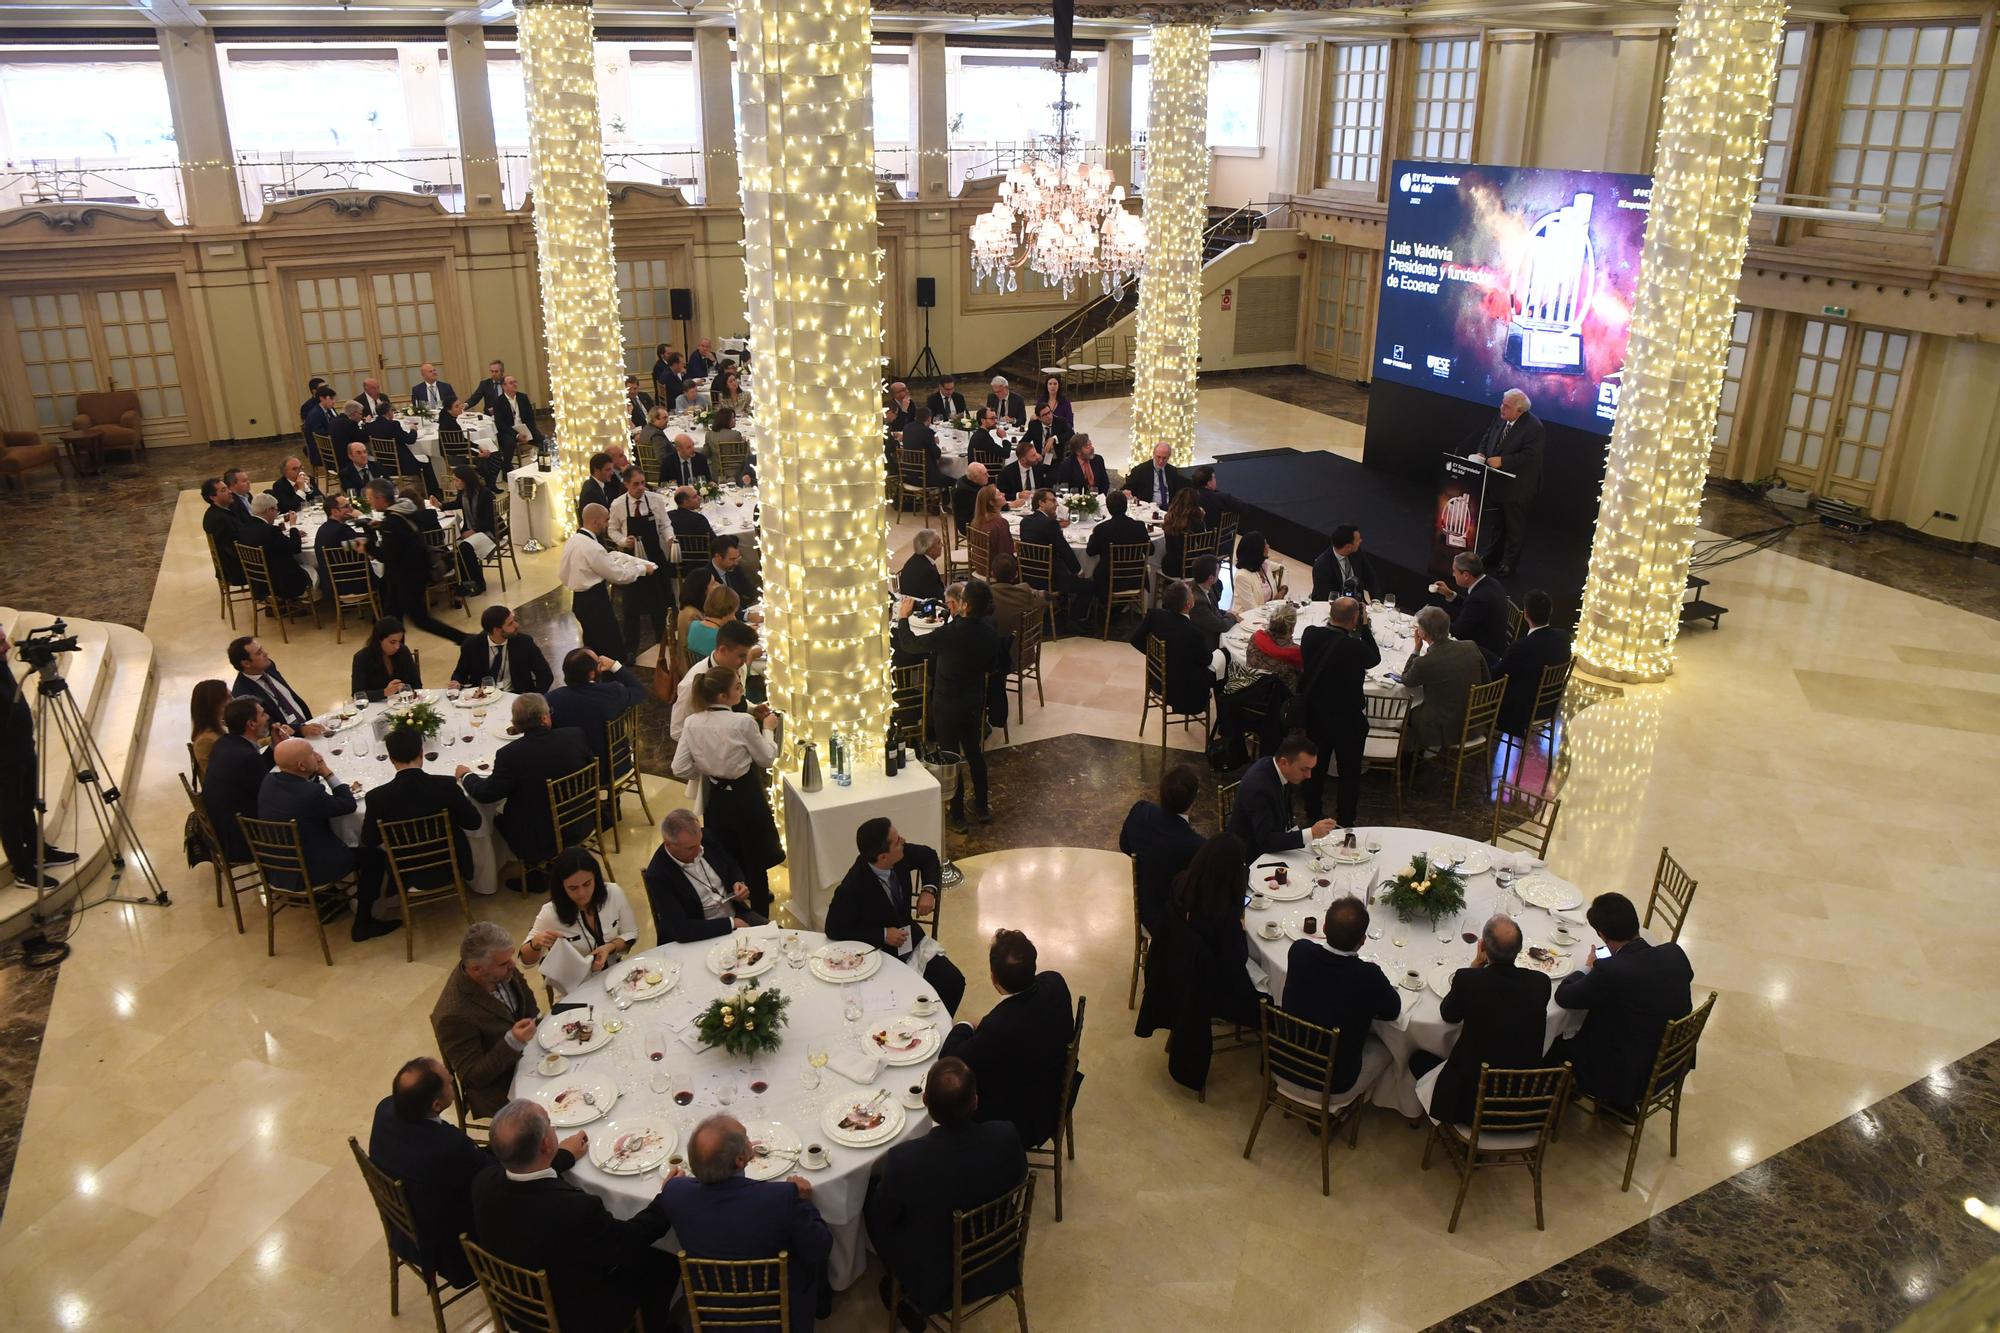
x=193 y=775
x=386 y=458
x=984 y=1239
x=477 y=1128
x=1298 y=1059
x=1544 y=716
x=1156 y=696
x=978 y=550
x=1126 y=582
x=229 y=876
x=257 y=572
x=520 y=1299
x=446 y=584
x=1194 y=545
x=737 y=1293
x=422 y=851
x=1037 y=561
x=1475 y=737
x=392 y=1205
x=647 y=455
x=1534 y=818
x=1671 y=1063
x=1225 y=537
x=231 y=593
x=1383 y=746
x=325 y=459
x=913 y=485
x=458 y=452
x=1142 y=940
x=1673 y=894
x=694 y=550
x=281 y=865
x=1225 y=801
x=623 y=759
x=503 y=539
x=1517 y=620
x=1513 y=1121
x=732 y=457
x=352 y=583
x=573 y=805
x=1027 y=666
x=1062 y=1144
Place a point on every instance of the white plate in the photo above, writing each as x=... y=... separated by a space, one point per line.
x=782 y=1139
x=829 y=961
x=922 y=1038
x=745 y=955
x=605 y=1142
x=669 y=975
x=1300 y=885
x=1559 y=966
x=1295 y=925
x=567 y=1108
x=473 y=698
x=1440 y=975
x=551 y=1034
x=1467 y=860
x=1548 y=893
x=886 y=1106
x=1352 y=856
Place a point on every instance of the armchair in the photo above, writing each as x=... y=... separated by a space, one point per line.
x=22 y=452
x=114 y=414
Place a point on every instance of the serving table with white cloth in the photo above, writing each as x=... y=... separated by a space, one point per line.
x=472 y=735
x=813 y=1021
x=820 y=827
x=1390 y=628
x=1079 y=529
x=1400 y=945
x=535 y=516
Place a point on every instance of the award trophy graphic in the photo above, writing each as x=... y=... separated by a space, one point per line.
x=1552 y=291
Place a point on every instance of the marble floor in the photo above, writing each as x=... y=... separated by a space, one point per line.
x=1821 y=765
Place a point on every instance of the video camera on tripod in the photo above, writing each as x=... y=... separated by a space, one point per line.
x=42 y=646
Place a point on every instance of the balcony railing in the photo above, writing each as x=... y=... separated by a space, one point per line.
x=84 y=180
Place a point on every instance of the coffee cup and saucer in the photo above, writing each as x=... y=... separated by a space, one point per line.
x=1258 y=902
x=551 y=1064
x=1562 y=934
x=913 y=1097
x=1270 y=930
x=924 y=1006
x=1412 y=979
x=813 y=1157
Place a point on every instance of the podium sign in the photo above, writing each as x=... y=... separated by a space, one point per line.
x=1455 y=526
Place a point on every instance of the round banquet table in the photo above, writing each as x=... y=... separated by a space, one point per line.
x=1079 y=529
x=1401 y=945
x=313 y=517
x=813 y=1022
x=361 y=759
x=1390 y=628
x=477 y=428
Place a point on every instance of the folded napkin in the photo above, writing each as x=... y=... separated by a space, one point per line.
x=691 y=1038
x=563 y=967
x=856 y=1065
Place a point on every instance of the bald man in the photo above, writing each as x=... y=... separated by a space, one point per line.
x=300 y=789
x=966 y=494
x=588 y=569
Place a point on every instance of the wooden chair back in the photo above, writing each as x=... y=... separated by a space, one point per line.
x=1038 y=564
x=352 y=583
x=1194 y=545
x=573 y=803
x=1142 y=943
x=1676 y=1054
x=423 y=849
x=1225 y=536
x=731 y=458
x=986 y=1237
x=737 y=1293
x=1534 y=817
x=1673 y=894
x=909 y=703
x=694 y=548
x=521 y=1299
x=391 y=1203
x=1297 y=1051
x=979 y=550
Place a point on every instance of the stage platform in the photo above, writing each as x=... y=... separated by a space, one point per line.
x=1296 y=498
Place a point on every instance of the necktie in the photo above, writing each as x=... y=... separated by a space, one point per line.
x=499 y=660
x=1160 y=488
x=1089 y=477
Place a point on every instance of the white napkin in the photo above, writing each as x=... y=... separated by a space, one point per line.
x=1410 y=1001
x=563 y=967
x=857 y=1065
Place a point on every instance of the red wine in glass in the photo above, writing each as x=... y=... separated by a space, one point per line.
x=683 y=1097
x=339 y=750
x=656 y=1055
x=1469 y=937
x=758 y=1086
x=431 y=755
x=728 y=978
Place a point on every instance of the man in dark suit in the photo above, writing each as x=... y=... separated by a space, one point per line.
x=294 y=490
x=686 y=518
x=224 y=527
x=1335 y=987
x=1505 y=1010
x=1081 y=469
x=356 y=471
x=638 y=406
x=724 y=565
x=502 y=651
x=983 y=446
x=717 y=1212
x=324 y=412
x=670 y=377
x=1629 y=999
x=414 y=794
x=1048 y=433
x=592 y=694
x=1043 y=525
x=281 y=547
x=257 y=677
x=1342 y=571
x=967 y=1160
x=920 y=438
x=1209 y=495
x=349 y=425
x=1020 y=1050
x=1513 y=443
x=1478 y=606
x=313 y=386
x=296 y=789
x=899 y=412
x=484 y=1017
x=1540 y=646
x=490 y=391
x=1190 y=682
x=1207 y=613
x=965 y=495
x=1120 y=529
x=919 y=576
x=1157 y=481
x=1338 y=657
x=1006 y=403
x=514 y=418
x=947 y=402
x=373 y=401
x=598 y=487
x=1261 y=819
x=386 y=429
x=889 y=882
x=235 y=775
x=600 y=1269
x=341 y=528
x=521 y=773
x=430 y=391
x=696 y=891
x=1026 y=474
x=685 y=466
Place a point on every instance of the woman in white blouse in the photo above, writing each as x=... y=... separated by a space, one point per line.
x=730 y=751
x=1257 y=580
x=586 y=925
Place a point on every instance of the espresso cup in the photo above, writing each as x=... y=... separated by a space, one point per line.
x=1410 y=974
x=814 y=1155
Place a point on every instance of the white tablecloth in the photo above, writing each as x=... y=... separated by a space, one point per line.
x=361 y=758
x=820 y=827
x=1420 y=946
x=1390 y=628
x=812 y=1021
x=734 y=511
x=313 y=518
x=1080 y=529
x=476 y=426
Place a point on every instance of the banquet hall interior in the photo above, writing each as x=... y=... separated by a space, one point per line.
x=1443 y=502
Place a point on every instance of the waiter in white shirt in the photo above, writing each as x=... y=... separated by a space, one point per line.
x=588 y=570
x=640 y=526
x=735 y=647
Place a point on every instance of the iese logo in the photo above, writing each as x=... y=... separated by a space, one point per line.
x=1440 y=366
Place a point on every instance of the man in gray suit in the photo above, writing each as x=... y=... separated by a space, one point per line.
x=1445 y=669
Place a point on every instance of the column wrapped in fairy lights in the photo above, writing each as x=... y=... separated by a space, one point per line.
x=1710 y=155
x=815 y=306
x=572 y=238
x=1166 y=356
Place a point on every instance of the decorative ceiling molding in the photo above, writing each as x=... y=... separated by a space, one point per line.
x=350 y=205
x=68 y=219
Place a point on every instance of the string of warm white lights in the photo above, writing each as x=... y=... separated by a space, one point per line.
x=815 y=307
x=572 y=238
x=1166 y=355
x=1710 y=157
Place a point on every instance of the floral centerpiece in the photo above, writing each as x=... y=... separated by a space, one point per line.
x=420 y=717
x=1082 y=504
x=424 y=411
x=708 y=489
x=1423 y=888
x=966 y=422
x=745 y=1022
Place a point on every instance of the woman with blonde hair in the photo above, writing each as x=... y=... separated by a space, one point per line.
x=988 y=516
x=721 y=604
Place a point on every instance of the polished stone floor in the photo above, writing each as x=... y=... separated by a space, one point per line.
x=1823 y=765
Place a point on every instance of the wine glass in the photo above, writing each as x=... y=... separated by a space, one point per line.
x=485 y=686
x=360 y=701
x=725 y=1092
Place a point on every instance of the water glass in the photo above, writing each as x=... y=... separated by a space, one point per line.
x=725 y=1092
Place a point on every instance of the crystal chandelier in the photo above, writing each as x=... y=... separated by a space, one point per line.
x=1057 y=213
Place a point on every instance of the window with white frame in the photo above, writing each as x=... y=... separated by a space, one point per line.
x=1444 y=99
x=1902 y=119
x=1783 y=137
x=1357 y=89
x=321 y=99
x=1235 y=95
x=1732 y=388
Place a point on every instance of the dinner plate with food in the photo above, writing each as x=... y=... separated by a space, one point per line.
x=477 y=696
x=743 y=955
x=576 y=1100
x=774 y=1149
x=864 y=1121
x=903 y=1040
x=1296 y=927
x=631 y=1146
x=1463 y=857
x=1351 y=856
x=646 y=981
x=1548 y=893
x=572 y=1033
x=844 y=960
x=1546 y=958
x=1282 y=884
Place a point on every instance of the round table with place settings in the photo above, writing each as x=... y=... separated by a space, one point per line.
x=1319 y=873
x=639 y=1092
x=1390 y=628
x=1079 y=529
x=477 y=428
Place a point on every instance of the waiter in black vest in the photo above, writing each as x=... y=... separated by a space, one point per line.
x=1513 y=443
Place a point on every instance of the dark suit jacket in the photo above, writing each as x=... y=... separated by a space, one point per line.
x=1338 y=991
x=521 y=773
x=943 y=408
x=1479 y=614
x=1018 y=1053
x=556 y=1225
x=287 y=796
x=489 y=393
x=1139 y=480
x=919 y=437
x=1505 y=1011
x=413 y=794
x=1189 y=679
x=1015 y=409
x=354 y=479
x=437 y=1164
x=1520 y=452
x=964 y=654
x=227 y=528
x=591 y=492
x=1333 y=679
x=919 y=1184
x=1522 y=666
x=527 y=668
x=334 y=532
x=243 y=687
x=1163 y=844
x=981 y=447
x=511 y=412
x=235 y=776
x=1014 y=478
x=292 y=498
x=1039 y=527
x=684 y=521
x=370 y=677
x=281 y=556
x=1207 y=617
x=742 y=1218
x=346 y=430
x=1118 y=530
x=1262 y=815
x=419 y=393
x=1326 y=576
x=677 y=915
x=896 y=416
x=1051 y=440
x=964 y=498
x=694 y=588
x=919 y=578
x=861 y=911
x=639 y=406
x=471 y=1028
x=1070 y=473
x=1631 y=997
x=671 y=474
x=589 y=707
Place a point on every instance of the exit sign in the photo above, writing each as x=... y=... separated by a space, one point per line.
x=1837 y=311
